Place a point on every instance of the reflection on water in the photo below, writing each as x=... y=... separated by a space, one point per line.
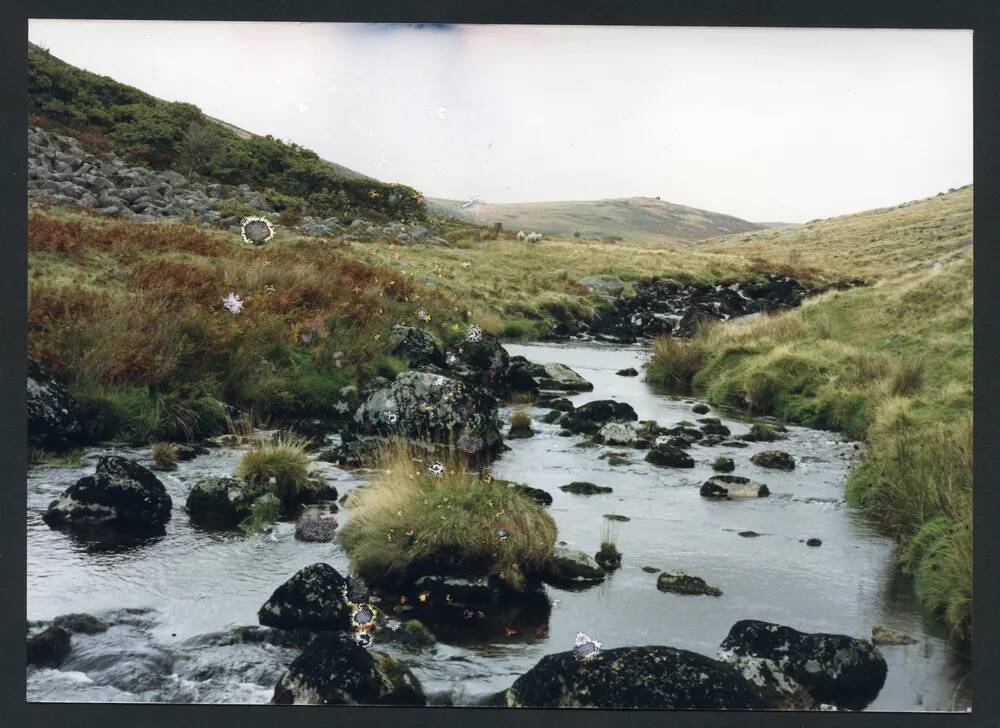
x=199 y=581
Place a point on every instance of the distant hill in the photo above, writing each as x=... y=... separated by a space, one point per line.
x=643 y=219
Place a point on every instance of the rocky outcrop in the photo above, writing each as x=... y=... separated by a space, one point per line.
x=589 y=418
x=49 y=648
x=54 y=418
x=434 y=408
x=312 y=599
x=415 y=347
x=774 y=459
x=121 y=493
x=726 y=487
x=830 y=669
x=334 y=670
x=632 y=677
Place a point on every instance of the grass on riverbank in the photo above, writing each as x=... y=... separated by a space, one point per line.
x=890 y=364
x=409 y=521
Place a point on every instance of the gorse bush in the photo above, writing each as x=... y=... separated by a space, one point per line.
x=410 y=522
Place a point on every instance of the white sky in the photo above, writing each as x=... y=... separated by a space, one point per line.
x=766 y=124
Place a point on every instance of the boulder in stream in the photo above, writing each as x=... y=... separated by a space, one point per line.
x=775 y=459
x=79 y=623
x=725 y=487
x=121 y=493
x=334 y=670
x=312 y=599
x=561 y=377
x=590 y=417
x=670 y=456
x=830 y=669
x=49 y=648
x=571 y=565
x=585 y=488
x=679 y=582
x=618 y=434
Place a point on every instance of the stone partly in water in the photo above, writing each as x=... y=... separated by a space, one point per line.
x=334 y=670
x=679 y=582
x=653 y=677
x=561 y=377
x=225 y=501
x=541 y=497
x=585 y=488
x=79 y=623
x=775 y=459
x=426 y=406
x=410 y=634
x=573 y=566
x=830 y=669
x=520 y=431
x=725 y=487
x=312 y=599
x=889 y=636
x=628 y=372
x=700 y=409
x=608 y=558
x=49 y=648
x=618 y=434
x=813 y=542
x=121 y=493
x=54 y=418
x=670 y=456
x=316 y=527
x=723 y=465
x=590 y=417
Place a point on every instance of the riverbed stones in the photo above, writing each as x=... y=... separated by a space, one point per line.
x=882 y=635
x=833 y=669
x=725 y=487
x=49 y=648
x=715 y=428
x=589 y=418
x=585 y=488
x=572 y=565
x=334 y=670
x=617 y=434
x=121 y=493
x=774 y=459
x=761 y=432
x=54 y=417
x=653 y=677
x=680 y=582
x=311 y=599
x=669 y=456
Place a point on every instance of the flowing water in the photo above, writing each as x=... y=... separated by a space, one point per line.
x=172 y=599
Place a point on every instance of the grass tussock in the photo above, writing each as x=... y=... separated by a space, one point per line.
x=410 y=522
x=164 y=455
x=280 y=465
x=676 y=361
x=520 y=420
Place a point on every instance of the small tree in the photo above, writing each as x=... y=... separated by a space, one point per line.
x=196 y=148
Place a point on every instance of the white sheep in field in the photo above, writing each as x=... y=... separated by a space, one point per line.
x=533 y=237
x=521 y=235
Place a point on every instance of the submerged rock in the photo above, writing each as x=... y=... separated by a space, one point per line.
x=829 y=668
x=775 y=459
x=54 y=417
x=585 y=488
x=334 y=670
x=312 y=599
x=49 y=648
x=628 y=372
x=571 y=565
x=679 y=582
x=733 y=486
x=121 y=493
x=632 y=677
x=889 y=636
x=666 y=455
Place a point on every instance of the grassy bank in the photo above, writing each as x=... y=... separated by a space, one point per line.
x=890 y=364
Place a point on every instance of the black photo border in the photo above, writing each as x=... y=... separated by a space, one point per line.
x=981 y=16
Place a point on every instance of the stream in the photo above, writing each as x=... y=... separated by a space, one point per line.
x=171 y=599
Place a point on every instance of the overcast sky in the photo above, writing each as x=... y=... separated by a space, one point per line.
x=765 y=124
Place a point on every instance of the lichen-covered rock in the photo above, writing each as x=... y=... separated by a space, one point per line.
x=54 y=418
x=121 y=493
x=830 y=668
x=679 y=582
x=607 y=284
x=486 y=359
x=589 y=418
x=571 y=565
x=221 y=500
x=618 y=434
x=312 y=599
x=670 y=456
x=889 y=636
x=561 y=377
x=632 y=677
x=776 y=459
x=425 y=406
x=49 y=648
x=316 y=527
x=415 y=347
x=334 y=670
x=725 y=487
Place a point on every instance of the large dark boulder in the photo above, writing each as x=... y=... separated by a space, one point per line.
x=54 y=418
x=225 y=501
x=775 y=459
x=669 y=456
x=312 y=599
x=415 y=347
x=541 y=497
x=830 y=668
x=49 y=648
x=121 y=493
x=632 y=677
x=589 y=418
x=334 y=670
x=485 y=359
x=572 y=566
x=79 y=623
x=431 y=407
x=562 y=378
